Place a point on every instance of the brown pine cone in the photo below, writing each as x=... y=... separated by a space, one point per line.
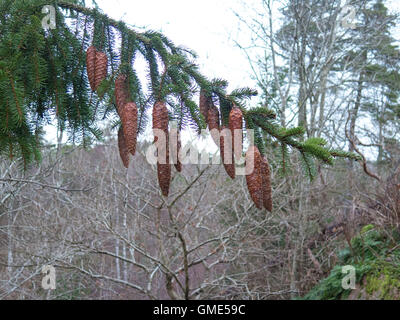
x=164 y=168
x=100 y=69
x=213 y=123
x=160 y=122
x=236 y=126
x=253 y=176
x=164 y=178
x=227 y=152
x=130 y=125
x=90 y=65
x=123 y=150
x=121 y=92
x=175 y=147
x=204 y=105
x=160 y=117
x=266 y=184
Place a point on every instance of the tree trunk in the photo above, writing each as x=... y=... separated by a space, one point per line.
x=357 y=105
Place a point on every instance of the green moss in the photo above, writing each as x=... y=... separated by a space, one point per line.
x=384 y=282
x=367 y=228
x=377 y=266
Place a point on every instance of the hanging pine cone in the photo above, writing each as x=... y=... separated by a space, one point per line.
x=227 y=152
x=160 y=122
x=163 y=167
x=213 y=123
x=100 y=69
x=266 y=184
x=121 y=92
x=204 y=105
x=123 y=150
x=164 y=177
x=236 y=126
x=129 y=119
x=175 y=147
x=90 y=65
x=253 y=176
x=160 y=117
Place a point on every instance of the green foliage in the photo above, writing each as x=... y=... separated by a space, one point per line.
x=376 y=258
x=310 y=150
x=43 y=75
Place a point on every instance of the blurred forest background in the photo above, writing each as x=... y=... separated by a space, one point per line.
x=111 y=235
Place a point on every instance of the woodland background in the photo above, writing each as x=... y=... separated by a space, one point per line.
x=111 y=235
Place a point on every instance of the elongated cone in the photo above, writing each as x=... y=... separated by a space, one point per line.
x=160 y=117
x=160 y=122
x=236 y=126
x=121 y=92
x=213 y=124
x=90 y=65
x=100 y=69
x=160 y=126
x=163 y=166
x=130 y=125
x=226 y=152
x=175 y=147
x=204 y=105
x=253 y=176
x=164 y=173
x=164 y=178
x=266 y=184
x=123 y=150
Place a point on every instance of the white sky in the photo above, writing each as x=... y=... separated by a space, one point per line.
x=204 y=26
x=209 y=27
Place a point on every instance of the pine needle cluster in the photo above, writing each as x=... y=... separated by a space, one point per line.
x=43 y=76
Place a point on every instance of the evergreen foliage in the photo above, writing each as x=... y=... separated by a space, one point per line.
x=43 y=75
x=375 y=256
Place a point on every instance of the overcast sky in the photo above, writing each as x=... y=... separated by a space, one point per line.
x=209 y=27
